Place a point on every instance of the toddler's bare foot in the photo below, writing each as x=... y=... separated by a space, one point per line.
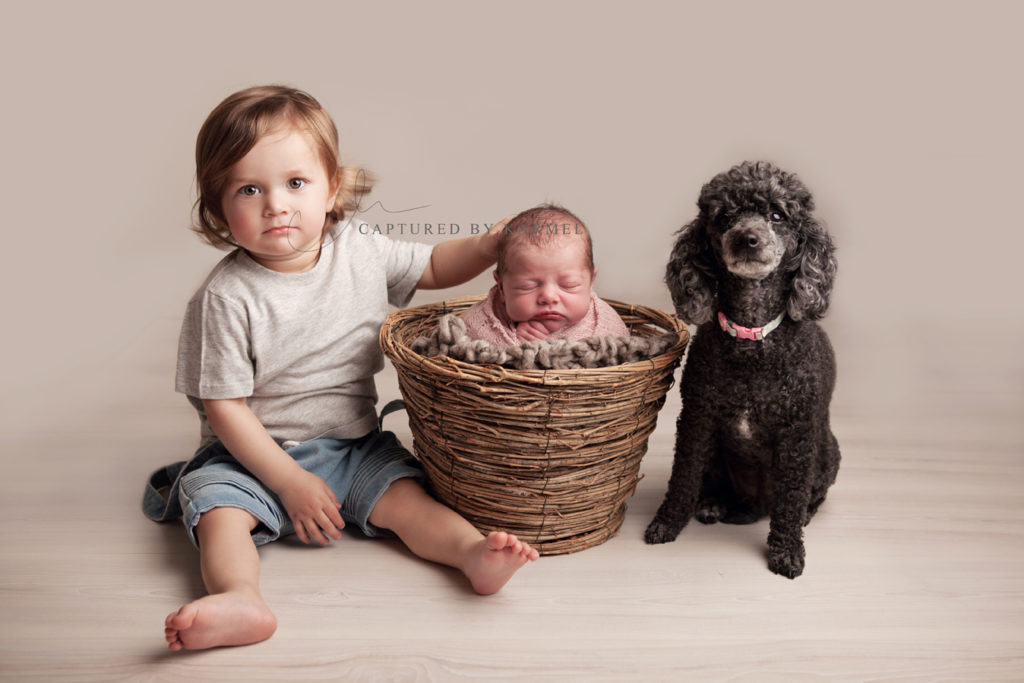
x=234 y=618
x=496 y=559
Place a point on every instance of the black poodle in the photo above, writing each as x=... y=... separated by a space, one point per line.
x=753 y=270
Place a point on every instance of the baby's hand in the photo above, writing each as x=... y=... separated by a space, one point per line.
x=531 y=330
x=313 y=508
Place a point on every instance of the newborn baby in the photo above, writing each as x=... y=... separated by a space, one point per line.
x=545 y=277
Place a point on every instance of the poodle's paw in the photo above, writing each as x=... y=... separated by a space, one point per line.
x=786 y=561
x=661 y=532
x=709 y=511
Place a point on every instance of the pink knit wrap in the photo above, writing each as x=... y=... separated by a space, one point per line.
x=487 y=320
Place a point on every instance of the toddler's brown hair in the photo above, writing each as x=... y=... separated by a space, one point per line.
x=238 y=123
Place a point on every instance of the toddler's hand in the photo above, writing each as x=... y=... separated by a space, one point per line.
x=489 y=240
x=313 y=508
x=531 y=330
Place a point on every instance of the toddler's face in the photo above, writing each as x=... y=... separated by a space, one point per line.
x=549 y=284
x=276 y=201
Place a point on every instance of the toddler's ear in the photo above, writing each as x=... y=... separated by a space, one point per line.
x=496 y=278
x=332 y=195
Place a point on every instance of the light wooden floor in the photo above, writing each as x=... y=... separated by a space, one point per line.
x=914 y=572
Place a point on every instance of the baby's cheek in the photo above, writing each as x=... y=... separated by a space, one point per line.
x=580 y=306
x=516 y=309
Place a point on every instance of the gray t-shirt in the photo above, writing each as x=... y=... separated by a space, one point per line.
x=302 y=347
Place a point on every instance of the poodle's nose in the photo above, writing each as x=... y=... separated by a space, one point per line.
x=751 y=240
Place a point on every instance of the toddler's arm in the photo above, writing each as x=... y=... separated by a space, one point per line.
x=457 y=261
x=310 y=502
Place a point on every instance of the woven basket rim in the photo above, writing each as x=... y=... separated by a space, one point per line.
x=399 y=351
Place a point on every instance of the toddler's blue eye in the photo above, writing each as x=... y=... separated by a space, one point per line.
x=248 y=190
x=296 y=183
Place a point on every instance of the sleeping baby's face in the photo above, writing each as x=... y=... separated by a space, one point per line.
x=548 y=284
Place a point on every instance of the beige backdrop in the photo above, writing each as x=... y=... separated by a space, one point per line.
x=903 y=118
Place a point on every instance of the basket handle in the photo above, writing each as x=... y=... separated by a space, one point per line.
x=390 y=407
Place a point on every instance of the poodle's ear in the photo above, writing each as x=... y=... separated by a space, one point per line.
x=690 y=274
x=815 y=270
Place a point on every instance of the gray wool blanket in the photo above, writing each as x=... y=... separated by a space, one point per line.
x=450 y=339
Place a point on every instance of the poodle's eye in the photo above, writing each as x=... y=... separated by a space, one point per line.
x=775 y=217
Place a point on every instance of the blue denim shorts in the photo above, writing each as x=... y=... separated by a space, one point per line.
x=359 y=471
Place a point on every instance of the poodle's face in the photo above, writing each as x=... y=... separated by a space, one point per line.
x=751 y=245
x=751 y=214
x=753 y=220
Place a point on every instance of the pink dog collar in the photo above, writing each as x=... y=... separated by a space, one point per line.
x=751 y=333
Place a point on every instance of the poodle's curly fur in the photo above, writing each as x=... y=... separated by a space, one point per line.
x=753 y=438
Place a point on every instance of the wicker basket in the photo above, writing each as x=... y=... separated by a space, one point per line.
x=549 y=455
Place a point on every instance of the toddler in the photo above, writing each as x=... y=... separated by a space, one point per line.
x=277 y=354
x=545 y=276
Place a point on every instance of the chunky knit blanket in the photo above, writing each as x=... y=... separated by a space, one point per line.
x=450 y=339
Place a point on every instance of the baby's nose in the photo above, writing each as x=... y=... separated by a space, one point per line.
x=548 y=293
